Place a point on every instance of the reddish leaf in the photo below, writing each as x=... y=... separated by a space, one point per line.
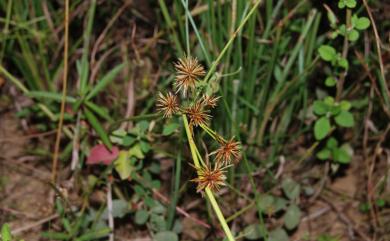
x=101 y=155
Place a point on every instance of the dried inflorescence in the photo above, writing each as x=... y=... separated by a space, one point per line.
x=228 y=152
x=209 y=177
x=167 y=104
x=188 y=73
x=210 y=101
x=197 y=114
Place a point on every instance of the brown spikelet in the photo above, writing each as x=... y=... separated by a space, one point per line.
x=211 y=178
x=188 y=72
x=228 y=152
x=167 y=104
x=211 y=101
x=197 y=114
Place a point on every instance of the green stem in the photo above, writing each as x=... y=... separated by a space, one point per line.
x=209 y=193
x=219 y=214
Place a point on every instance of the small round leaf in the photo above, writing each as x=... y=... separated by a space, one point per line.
x=141 y=216
x=321 y=128
x=345 y=119
x=166 y=236
x=292 y=217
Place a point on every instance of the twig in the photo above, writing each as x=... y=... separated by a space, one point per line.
x=109 y=211
x=76 y=143
x=64 y=88
x=37 y=135
x=343 y=218
x=33 y=225
x=181 y=210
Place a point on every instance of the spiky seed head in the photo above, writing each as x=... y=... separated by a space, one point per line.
x=197 y=114
x=209 y=177
x=188 y=71
x=167 y=104
x=211 y=101
x=228 y=152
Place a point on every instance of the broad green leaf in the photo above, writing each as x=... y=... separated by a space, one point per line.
x=380 y=202
x=291 y=188
x=142 y=126
x=97 y=127
x=321 y=128
x=123 y=165
x=332 y=143
x=158 y=222
x=327 y=53
x=324 y=154
x=252 y=232
x=340 y=155
x=335 y=110
x=119 y=209
x=170 y=128
x=341 y=4
x=101 y=84
x=342 y=62
x=330 y=81
x=345 y=119
x=362 y=23
x=353 y=35
x=145 y=146
x=278 y=234
x=266 y=202
x=6 y=232
x=166 y=236
x=158 y=208
x=150 y=202
x=345 y=105
x=292 y=217
x=128 y=140
x=279 y=204
x=349 y=3
x=329 y=100
x=177 y=226
x=136 y=152
x=117 y=136
x=155 y=167
x=156 y=184
x=320 y=108
x=141 y=216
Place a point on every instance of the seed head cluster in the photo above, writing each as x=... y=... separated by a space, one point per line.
x=197 y=106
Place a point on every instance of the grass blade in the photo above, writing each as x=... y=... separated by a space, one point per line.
x=105 y=81
x=97 y=127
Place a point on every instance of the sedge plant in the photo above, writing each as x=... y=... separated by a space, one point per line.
x=194 y=110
